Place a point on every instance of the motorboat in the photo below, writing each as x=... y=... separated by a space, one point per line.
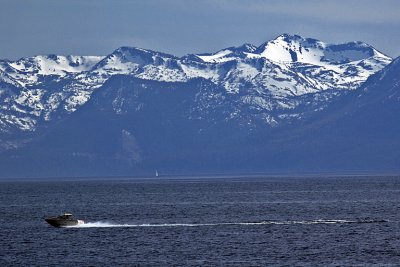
x=63 y=220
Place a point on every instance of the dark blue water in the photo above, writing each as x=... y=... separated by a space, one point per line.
x=230 y=222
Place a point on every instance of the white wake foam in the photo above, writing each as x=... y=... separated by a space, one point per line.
x=109 y=224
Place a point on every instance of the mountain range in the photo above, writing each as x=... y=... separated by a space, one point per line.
x=292 y=104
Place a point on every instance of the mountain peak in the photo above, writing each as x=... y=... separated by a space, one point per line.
x=291 y=48
x=227 y=54
x=287 y=37
x=127 y=51
x=294 y=48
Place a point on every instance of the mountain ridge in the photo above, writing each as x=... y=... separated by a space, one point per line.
x=52 y=84
x=157 y=128
x=136 y=110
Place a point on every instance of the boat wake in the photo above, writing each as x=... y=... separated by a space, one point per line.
x=110 y=225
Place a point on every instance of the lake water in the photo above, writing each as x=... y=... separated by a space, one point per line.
x=342 y=221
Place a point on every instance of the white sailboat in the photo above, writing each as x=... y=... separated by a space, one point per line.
x=156 y=173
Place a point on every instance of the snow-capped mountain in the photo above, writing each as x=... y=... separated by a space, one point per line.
x=277 y=79
x=132 y=126
x=291 y=104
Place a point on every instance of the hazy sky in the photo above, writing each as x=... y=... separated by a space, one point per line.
x=97 y=27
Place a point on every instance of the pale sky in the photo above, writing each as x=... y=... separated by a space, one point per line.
x=179 y=27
